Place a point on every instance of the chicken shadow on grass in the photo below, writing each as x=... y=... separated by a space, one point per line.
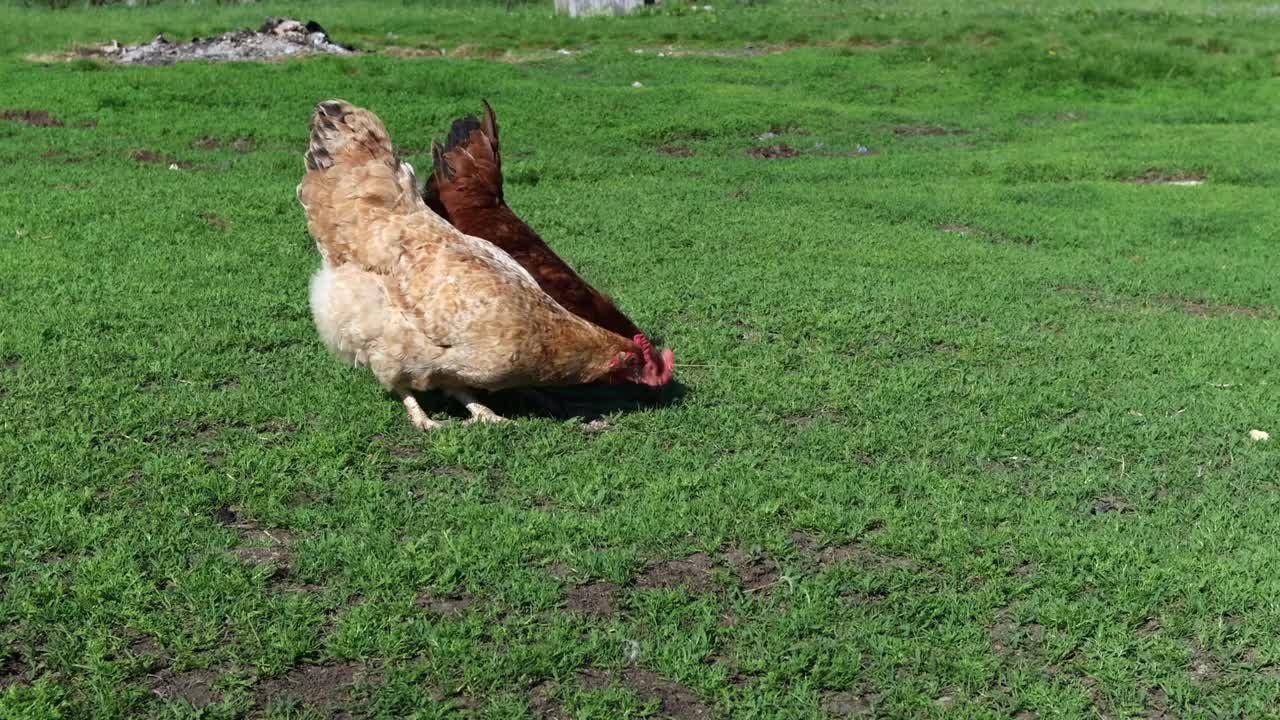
x=584 y=402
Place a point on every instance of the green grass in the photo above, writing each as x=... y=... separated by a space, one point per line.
x=1026 y=446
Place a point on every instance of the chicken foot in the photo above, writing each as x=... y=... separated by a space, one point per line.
x=417 y=415
x=479 y=413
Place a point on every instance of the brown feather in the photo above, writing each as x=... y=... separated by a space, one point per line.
x=465 y=188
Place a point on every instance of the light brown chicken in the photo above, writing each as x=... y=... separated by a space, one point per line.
x=422 y=305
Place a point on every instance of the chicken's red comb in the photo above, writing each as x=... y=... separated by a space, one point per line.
x=657 y=369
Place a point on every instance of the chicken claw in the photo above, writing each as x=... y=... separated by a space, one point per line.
x=479 y=413
x=417 y=416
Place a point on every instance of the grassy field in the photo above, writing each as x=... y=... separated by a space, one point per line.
x=964 y=429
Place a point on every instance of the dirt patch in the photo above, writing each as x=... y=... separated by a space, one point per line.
x=395 y=450
x=147 y=647
x=34 y=118
x=277 y=38
x=1109 y=504
x=213 y=220
x=958 y=229
x=227 y=383
x=971 y=231
x=332 y=689
x=773 y=152
x=776 y=130
x=543 y=704
x=1101 y=708
x=1203 y=669
x=849 y=704
x=1011 y=639
x=693 y=573
x=10 y=362
x=446 y=606
x=1070 y=117
x=1023 y=569
x=1204 y=308
x=13 y=672
x=755 y=570
x=675 y=151
x=1147 y=628
x=674 y=700
x=826 y=555
x=1157 y=705
x=598 y=599
x=927 y=130
x=870 y=597
x=1199 y=308
x=1159 y=177
x=194 y=686
x=257 y=545
x=265 y=547
x=241 y=145
x=155 y=158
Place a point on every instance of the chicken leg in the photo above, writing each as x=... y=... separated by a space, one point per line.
x=479 y=413
x=417 y=415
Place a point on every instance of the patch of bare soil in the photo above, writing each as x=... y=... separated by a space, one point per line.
x=258 y=545
x=811 y=547
x=241 y=145
x=13 y=671
x=870 y=597
x=1199 y=308
x=1109 y=504
x=1159 y=177
x=1203 y=670
x=1023 y=569
x=1070 y=116
x=958 y=229
x=970 y=231
x=675 y=151
x=1157 y=705
x=147 y=647
x=674 y=700
x=332 y=689
x=213 y=220
x=10 y=362
x=446 y=606
x=755 y=570
x=849 y=704
x=543 y=704
x=927 y=130
x=693 y=573
x=395 y=450
x=1101 y=708
x=1011 y=639
x=1204 y=308
x=195 y=686
x=597 y=599
x=38 y=118
x=773 y=152
x=277 y=38
x=155 y=158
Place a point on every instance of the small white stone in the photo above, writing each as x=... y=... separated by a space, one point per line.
x=174 y=166
x=637 y=84
x=1259 y=435
x=564 y=51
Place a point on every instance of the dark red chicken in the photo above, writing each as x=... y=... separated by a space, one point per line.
x=465 y=188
